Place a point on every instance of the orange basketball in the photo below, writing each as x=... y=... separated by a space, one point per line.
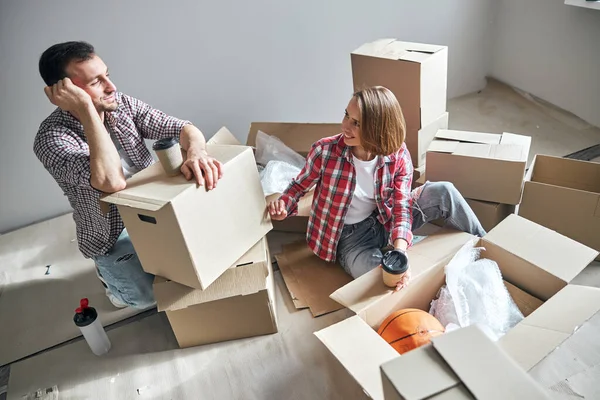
x=409 y=328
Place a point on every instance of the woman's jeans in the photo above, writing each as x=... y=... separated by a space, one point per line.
x=360 y=247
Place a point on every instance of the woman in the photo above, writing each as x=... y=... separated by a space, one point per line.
x=363 y=200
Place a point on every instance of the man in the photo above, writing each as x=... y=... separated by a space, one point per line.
x=91 y=144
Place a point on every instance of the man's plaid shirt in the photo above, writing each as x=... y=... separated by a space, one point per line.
x=61 y=146
x=329 y=166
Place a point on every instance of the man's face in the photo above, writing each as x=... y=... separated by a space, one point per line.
x=92 y=76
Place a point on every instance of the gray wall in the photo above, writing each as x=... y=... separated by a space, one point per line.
x=551 y=50
x=215 y=63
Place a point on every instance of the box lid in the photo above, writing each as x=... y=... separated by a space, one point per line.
x=508 y=146
x=247 y=276
x=547 y=249
x=151 y=189
x=462 y=357
x=396 y=50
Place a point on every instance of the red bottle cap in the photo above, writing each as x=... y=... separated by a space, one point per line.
x=84 y=303
x=78 y=310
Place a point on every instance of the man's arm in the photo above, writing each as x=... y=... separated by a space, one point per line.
x=154 y=124
x=106 y=172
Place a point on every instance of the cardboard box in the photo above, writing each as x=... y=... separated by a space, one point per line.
x=239 y=304
x=490 y=214
x=416 y=73
x=564 y=195
x=190 y=235
x=463 y=364
x=533 y=258
x=418 y=140
x=300 y=138
x=482 y=166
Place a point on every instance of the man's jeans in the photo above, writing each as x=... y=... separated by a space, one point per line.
x=122 y=271
x=360 y=246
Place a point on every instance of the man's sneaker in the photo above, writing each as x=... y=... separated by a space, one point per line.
x=113 y=299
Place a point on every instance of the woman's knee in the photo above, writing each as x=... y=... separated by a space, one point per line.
x=445 y=190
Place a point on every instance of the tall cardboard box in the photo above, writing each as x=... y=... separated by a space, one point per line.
x=417 y=75
x=415 y=72
x=483 y=166
x=300 y=138
x=187 y=234
x=463 y=364
x=564 y=195
x=534 y=259
x=239 y=304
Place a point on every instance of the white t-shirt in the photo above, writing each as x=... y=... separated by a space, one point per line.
x=363 y=201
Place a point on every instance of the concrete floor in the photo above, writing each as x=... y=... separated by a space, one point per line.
x=496 y=109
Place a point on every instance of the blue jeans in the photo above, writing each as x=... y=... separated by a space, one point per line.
x=122 y=271
x=360 y=247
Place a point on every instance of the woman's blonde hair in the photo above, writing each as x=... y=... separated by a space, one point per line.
x=382 y=125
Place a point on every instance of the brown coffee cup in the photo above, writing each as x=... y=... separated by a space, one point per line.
x=394 y=265
x=169 y=154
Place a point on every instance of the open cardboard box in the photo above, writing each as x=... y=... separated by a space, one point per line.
x=240 y=304
x=462 y=364
x=531 y=257
x=178 y=228
x=564 y=195
x=482 y=166
x=300 y=138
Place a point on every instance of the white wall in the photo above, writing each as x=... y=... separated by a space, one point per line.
x=551 y=50
x=216 y=63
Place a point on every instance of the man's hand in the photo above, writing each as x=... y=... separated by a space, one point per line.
x=67 y=96
x=203 y=168
x=277 y=210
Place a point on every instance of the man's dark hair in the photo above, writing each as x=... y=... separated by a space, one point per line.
x=53 y=62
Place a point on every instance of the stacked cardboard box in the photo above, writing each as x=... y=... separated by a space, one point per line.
x=487 y=169
x=417 y=75
x=207 y=249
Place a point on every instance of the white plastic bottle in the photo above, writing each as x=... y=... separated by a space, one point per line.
x=86 y=318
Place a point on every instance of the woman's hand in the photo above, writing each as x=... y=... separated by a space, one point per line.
x=404 y=281
x=277 y=210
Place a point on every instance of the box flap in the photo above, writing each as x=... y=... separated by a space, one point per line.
x=542 y=247
x=396 y=50
x=420 y=374
x=246 y=276
x=443 y=146
x=224 y=137
x=484 y=368
x=547 y=327
x=151 y=188
x=519 y=140
x=369 y=288
x=362 y=362
x=466 y=136
x=239 y=281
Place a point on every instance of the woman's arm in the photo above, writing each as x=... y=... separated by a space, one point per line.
x=401 y=210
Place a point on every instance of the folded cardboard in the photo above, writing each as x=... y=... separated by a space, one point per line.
x=239 y=304
x=462 y=364
x=415 y=72
x=309 y=279
x=531 y=257
x=482 y=166
x=190 y=235
x=564 y=195
x=300 y=138
x=418 y=140
x=490 y=214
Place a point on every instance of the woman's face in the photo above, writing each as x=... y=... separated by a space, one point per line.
x=351 y=123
